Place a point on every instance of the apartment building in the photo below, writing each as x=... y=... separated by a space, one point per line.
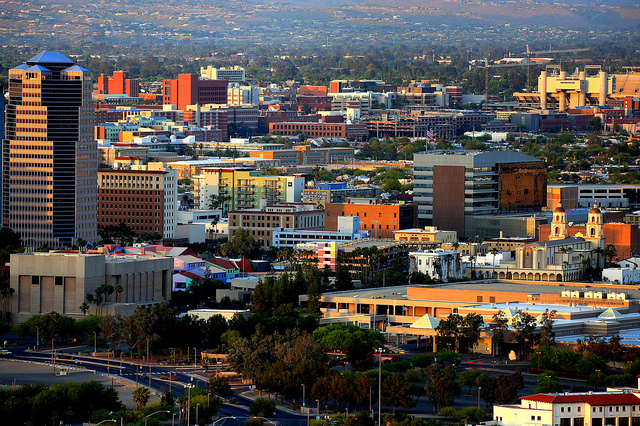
x=261 y=223
x=146 y=200
x=245 y=188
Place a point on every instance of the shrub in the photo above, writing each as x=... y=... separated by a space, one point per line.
x=263 y=407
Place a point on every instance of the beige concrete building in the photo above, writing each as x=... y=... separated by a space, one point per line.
x=47 y=282
x=262 y=223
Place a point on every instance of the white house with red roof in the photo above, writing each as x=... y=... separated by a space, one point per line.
x=616 y=407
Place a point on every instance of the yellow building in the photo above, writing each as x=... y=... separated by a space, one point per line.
x=245 y=188
x=430 y=234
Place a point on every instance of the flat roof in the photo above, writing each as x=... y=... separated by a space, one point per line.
x=395 y=292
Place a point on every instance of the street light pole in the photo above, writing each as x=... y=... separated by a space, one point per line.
x=147 y=417
x=95 y=343
x=379 y=386
x=189 y=405
x=197 y=414
x=479 y=389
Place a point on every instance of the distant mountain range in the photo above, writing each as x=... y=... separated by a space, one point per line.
x=558 y=13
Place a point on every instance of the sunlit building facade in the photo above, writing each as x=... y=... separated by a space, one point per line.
x=49 y=154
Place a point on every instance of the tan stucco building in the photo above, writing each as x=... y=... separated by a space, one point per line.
x=47 y=282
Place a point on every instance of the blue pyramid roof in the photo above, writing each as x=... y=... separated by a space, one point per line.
x=50 y=57
x=21 y=67
x=38 y=68
x=76 y=68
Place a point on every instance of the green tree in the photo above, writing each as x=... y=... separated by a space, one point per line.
x=396 y=392
x=240 y=244
x=262 y=407
x=220 y=385
x=441 y=386
x=547 y=336
x=548 y=382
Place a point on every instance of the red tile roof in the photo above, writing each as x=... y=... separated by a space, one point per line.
x=222 y=263
x=611 y=398
x=190 y=275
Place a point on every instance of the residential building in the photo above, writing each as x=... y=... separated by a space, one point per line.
x=305 y=155
x=348 y=230
x=338 y=192
x=245 y=188
x=381 y=219
x=321 y=130
x=188 y=89
x=49 y=155
x=146 y=200
x=261 y=223
x=232 y=74
x=59 y=282
x=451 y=187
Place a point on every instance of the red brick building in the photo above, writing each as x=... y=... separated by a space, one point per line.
x=383 y=218
x=143 y=199
x=321 y=130
x=188 y=89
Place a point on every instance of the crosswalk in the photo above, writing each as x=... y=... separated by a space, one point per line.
x=146 y=373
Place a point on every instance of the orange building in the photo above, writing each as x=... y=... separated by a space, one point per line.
x=119 y=84
x=624 y=236
x=380 y=219
x=188 y=89
x=314 y=90
x=565 y=194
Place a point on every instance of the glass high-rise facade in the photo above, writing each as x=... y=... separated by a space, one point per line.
x=49 y=154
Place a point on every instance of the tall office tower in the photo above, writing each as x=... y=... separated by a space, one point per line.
x=49 y=155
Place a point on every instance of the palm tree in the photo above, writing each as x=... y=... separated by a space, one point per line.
x=472 y=259
x=455 y=245
x=119 y=289
x=494 y=251
x=6 y=293
x=566 y=250
x=448 y=259
x=141 y=396
x=598 y=251
x=610 y=252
